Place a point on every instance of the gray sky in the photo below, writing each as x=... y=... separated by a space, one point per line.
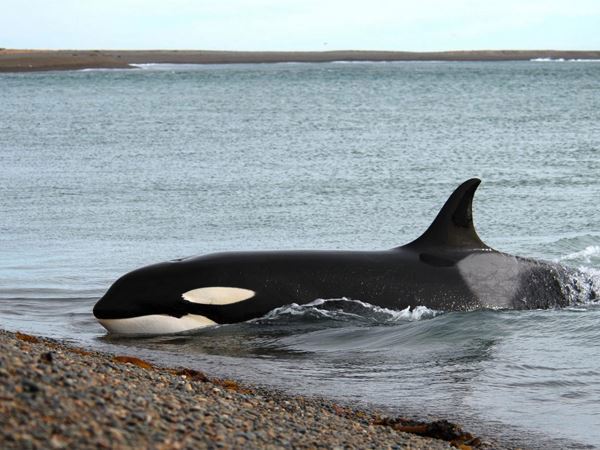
x=420 y=25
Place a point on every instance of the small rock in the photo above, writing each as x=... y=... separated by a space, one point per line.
x=57 y=442
x=47 y=357
x=30 y=386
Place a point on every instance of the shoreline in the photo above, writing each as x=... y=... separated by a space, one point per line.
x=55 y=395
x=30 y=60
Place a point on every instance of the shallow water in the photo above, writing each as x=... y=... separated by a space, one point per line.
x=104 y=171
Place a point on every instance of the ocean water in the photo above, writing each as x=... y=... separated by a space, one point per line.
x=102 y=171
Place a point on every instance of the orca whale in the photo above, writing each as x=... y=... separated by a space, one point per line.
x=447 y=268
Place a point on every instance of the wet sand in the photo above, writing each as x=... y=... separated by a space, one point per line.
x=54 y=395
x=14 y=60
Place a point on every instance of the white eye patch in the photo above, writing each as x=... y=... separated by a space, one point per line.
x=218 y=295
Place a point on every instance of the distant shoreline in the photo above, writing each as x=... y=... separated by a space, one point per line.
x=16 y=60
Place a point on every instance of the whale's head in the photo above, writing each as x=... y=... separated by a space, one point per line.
x=163 y=298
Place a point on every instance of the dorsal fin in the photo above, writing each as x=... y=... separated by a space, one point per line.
x=453 y=227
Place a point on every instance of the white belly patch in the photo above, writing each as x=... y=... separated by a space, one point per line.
x=155 y=324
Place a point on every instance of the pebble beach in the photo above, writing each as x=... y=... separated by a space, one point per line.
x=53 y=395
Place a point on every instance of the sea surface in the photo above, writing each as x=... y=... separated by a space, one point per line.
x=103 y=171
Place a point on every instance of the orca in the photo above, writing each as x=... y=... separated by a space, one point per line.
x=447 y=268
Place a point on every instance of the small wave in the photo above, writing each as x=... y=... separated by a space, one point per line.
x=159 y=66
x=408 y=61
x=172 y=66
x=347 y=310
x=576 y=309
x=582 y=283
x=585 y=255
x=563 y=60
x=104 y=69
x=147 y=65
x=547 y=60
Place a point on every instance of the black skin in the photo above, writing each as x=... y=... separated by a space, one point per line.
x=424 y=272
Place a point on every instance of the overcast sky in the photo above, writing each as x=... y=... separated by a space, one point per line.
x=420 y=25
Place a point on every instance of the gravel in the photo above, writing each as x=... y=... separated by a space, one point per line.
x=57 y=396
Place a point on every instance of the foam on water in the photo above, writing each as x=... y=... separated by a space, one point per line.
x=178 y=67
x=589 y=255
x=581 y=284
x=104 y=69
x=563 y=60
x=344 y=310
x=590 y=281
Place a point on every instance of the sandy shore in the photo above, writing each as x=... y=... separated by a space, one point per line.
x=14 y=60
x=57 y=396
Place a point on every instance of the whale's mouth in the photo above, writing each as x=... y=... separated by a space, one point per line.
x=153 y=324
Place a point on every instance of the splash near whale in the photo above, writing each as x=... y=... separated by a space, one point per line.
x=447 y=268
